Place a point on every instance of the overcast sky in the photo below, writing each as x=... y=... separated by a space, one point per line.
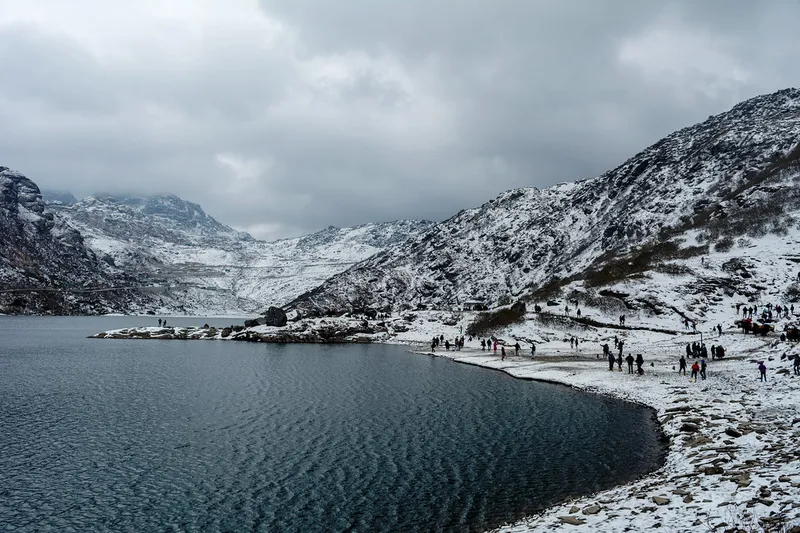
x=284 y=116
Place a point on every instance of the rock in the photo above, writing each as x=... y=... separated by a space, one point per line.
x=765 y=501
x=574 y=509
x=681 y=492
x=785 y=479
x=731 y=432
x=688 y=499
x=251 y=323
x=572 y=520
x=226 y=332
x=275 y=316
x=660 y=500
x=689 y=427
x=713 y=470
x=783 y=371
x=592 y=509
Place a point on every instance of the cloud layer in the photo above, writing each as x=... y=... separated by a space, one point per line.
x=284 y=116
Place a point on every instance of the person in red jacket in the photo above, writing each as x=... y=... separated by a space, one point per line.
x=695 y=370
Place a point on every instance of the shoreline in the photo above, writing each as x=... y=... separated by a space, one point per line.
x=729 y=462
x=691 y=488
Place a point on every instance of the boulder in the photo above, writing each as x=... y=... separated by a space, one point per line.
x=592 y=509
x=572 y=520
x=660 y=500
x=275 y=316
x=733 y=433
x=226 y=332
x=251 y=323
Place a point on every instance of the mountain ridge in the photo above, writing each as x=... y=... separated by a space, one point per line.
x=707 y=176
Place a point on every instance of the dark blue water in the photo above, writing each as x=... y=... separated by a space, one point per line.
x=152 y=436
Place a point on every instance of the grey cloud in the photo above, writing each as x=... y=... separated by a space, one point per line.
x=360 y=110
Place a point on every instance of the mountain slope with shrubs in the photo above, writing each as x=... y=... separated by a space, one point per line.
x=718 y=187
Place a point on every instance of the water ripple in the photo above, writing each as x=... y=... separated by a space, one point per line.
x=140 y=436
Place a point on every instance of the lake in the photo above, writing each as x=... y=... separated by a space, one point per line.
x=158 y=436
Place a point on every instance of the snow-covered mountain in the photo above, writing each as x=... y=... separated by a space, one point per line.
x=709 y=191
x=45 y=266
x=199 y=266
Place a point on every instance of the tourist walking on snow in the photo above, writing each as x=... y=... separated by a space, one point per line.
x=629 y=360
x=695 y=370
x=797 y=365
x=502 y=353
x=611 y=362
x=762 y=370
x=703 y=368
x=619 y=362
x=639 y=364
x=533 y=350
x=516 y=348
x=682 y=365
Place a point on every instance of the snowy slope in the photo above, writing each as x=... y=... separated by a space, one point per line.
x=200 y=266
x=39 y=251
x=698 y=190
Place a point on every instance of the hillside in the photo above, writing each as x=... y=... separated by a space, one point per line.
x=197 y=265
x=39 y=251
x=712 y=191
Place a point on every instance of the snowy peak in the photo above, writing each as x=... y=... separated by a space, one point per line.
x=705 y=177
x=139 y=219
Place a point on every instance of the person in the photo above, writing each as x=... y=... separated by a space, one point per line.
x=516 y=348
x=579 y=313
x=502 y=353
x=611 y=362
x=629 y=360
x=533 y=350
x=571 y=342
x=619 y=362
x=762 y=369
x=797 y=365
x=616 y=341
x=159 y=322
x=621 y=344
x=639 y=364
x=695 y=370
x=483 y=344
x=688 y=350
x=703 y=368
x=720 y=352
x=164 y=322
x=447 y=345
x=495 y=346
x=682 y=365
x=433 y=344
x=713 y=352
x=719 y=329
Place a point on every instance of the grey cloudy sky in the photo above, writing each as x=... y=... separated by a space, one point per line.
x=284 y=116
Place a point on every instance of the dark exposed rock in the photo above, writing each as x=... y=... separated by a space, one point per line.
x=275 y=316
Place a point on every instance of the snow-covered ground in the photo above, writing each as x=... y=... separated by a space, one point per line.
x=732 y=459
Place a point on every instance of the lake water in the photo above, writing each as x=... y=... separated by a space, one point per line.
x=156 y=436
